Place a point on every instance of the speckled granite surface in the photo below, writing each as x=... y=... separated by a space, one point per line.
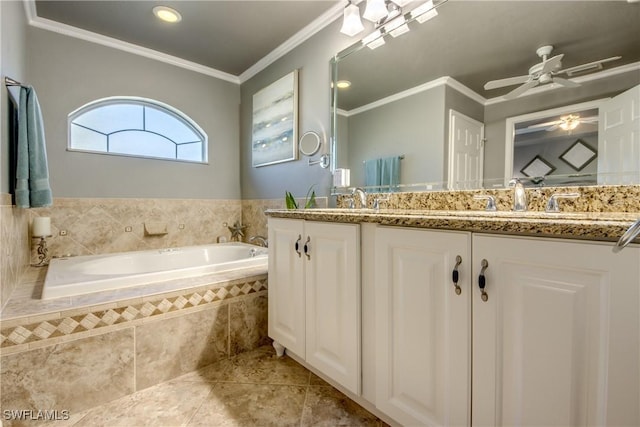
x=612 y=198
x=599 y=213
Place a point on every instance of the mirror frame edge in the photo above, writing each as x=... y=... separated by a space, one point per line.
x=511 y=122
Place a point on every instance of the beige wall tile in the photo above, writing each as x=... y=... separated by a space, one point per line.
x=248 y=323
x=172 y=347
x=14 y=247
x=75 y=376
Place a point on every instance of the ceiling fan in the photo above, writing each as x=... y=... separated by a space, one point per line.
x=545 y=72
x=568 y=123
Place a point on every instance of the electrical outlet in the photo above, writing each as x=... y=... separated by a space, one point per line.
x=181 y=226
x=63 y=232
x=128 y=229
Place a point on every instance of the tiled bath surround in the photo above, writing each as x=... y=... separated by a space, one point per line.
x=14 y=246
x=99 y=226
x=79 y=358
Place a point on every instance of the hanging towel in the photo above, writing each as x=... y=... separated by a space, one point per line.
x=382 y=175
x=372 y=172
x=32 y=172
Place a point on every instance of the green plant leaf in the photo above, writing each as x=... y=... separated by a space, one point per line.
x=290 y=201
x=310 y=198
x=311 y=201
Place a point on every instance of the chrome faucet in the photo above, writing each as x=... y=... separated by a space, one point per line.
x=261 y=241
x=519 y=195
x=363 y=197
x=552 y=204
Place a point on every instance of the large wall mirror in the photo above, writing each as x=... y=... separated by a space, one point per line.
x=421 y=96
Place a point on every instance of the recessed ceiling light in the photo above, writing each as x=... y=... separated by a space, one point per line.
x=167 y=14
x=343 y=84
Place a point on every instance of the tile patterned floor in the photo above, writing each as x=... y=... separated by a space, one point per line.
x=253 y=389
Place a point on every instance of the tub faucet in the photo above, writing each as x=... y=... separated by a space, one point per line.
x=260 y=241
x=363 y=197
x=519 y=195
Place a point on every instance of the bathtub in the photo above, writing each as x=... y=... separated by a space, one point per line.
x=93 y=273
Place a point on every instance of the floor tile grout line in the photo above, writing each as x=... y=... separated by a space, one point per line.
x=204 y=400
x=304 y=404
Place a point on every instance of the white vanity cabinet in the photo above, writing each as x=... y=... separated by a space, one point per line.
x=556 y=341
x=314 y=295
x=423 y=326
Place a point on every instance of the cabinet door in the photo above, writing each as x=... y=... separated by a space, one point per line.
x=333 y=301
x=286 y=284
x=423 y=326
x=556 y=342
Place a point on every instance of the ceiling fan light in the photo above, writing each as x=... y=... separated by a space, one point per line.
x=375 y=10
x=351 y=25
x=569 y=122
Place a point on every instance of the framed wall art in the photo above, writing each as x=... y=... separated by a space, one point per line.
x=578 y=155
x=537 y=167
x=275 y=122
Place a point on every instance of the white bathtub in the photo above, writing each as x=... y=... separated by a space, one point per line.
x=93 y=273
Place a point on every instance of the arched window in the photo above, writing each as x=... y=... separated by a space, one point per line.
x=139 y=127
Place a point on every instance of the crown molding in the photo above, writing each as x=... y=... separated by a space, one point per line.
x=89 y=36
x=446 y=80
x=68 y=30
x=296 y=40
x=300 y=37
x=453 y=83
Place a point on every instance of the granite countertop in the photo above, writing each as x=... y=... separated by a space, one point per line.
x=601 y=226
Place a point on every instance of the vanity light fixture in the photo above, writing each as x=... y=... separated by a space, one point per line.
x=167 y=14
x=375 y=10
x=374 y=40
x=351 y=25
x=388 y=17
x=397 y=26
x=424 y=12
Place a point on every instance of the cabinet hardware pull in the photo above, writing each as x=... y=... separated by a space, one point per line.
x=632 y=232
x=307 y=248
x=298 y=246
x=482 y=281
x=455 y=276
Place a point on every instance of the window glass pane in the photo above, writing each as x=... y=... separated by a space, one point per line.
x=85 y=139
x=141 y=144
x=176 y=130
x=190 y=152
x=112 y=117
x=136 y=127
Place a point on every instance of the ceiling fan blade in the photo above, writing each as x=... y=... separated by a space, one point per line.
x=521 y=89
x=552 y=128
x=494 y=84
x=544 y=125
x=592 y=119
x=552 y=63
x=565 y=82
x=587 y=66
x=523 y=131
